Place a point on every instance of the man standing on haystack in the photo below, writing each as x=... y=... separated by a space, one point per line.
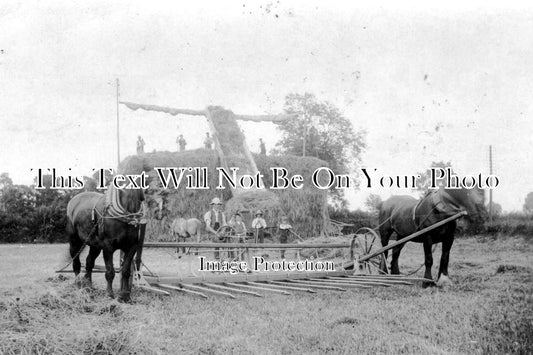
x=181 y=142
x=208 y=142
x=214 y=219
x=262 y=147
x=140 y=145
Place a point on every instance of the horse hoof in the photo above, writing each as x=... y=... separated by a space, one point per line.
x=444 y=281
x=85 y=283
x=124 y=299
x=427 y=284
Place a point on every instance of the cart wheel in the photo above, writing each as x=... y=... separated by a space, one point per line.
x=364 y=242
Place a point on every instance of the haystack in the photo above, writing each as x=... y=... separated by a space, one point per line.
x=306 y=208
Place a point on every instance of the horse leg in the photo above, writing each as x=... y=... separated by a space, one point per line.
x=178 y=239
x=109 y=271
x=138 y=255
x=428 y=261
x=183 y=250
x=74 y=249
x=442 y=279
x=125 y=285
x=198 y=236
x=395 y=270
x=89 y=265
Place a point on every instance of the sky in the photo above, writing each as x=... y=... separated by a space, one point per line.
x=438 y=83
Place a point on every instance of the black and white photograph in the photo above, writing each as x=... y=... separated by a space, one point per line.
x=266 y=177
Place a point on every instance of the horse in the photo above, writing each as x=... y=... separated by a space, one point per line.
x=107 y=222
x=404 y=215
x=182 y=228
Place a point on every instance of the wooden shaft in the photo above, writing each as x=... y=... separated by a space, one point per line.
x=316 y=285
x=412 y=236
x=259 y=286
x=180 y=289
x=232 y=289
x=282 y=285
x=205 y=289
x=242 y=245
x=337 y=284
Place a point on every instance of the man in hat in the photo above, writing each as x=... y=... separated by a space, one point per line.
x=214 y=219
x=262 y=147
x=284 y=232
x=208 y=141
x=240 y=231
x=181 y=142
x=259 y=225
x=140 y=145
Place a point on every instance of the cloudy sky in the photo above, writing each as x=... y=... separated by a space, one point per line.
x=427 y=84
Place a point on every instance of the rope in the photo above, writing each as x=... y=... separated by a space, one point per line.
x=81 y=248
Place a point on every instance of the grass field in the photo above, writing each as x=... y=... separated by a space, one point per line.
x=489 y=309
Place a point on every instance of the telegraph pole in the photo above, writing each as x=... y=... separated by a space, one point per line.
x=490 y=190
x=118 y=125
x=305 y=134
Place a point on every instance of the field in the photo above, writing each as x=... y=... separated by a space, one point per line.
x=488 y=309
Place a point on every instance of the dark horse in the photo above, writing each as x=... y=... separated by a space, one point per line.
x=405 y=215
x=107 y=223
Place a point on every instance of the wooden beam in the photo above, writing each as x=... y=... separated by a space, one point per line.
x=314 y=285
x=340 y=284
x=154 y=289
x=367 y=280
x=170 y=110
x=352 y=282
x=184 y=111
x=266 y=118
x=232 y=289
x=180 y=289
x=205 y=289
x=388 y=278
x=249 y=285
x=243 y=245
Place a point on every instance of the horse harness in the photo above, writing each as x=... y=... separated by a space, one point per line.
x=442 y=201
x=113 y=209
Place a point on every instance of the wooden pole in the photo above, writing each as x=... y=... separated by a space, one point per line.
x=244 y=245
x=490 y=190
x=118 y=125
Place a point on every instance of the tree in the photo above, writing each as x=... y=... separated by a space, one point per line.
x=424 y=181
x=323 y=130
x=373 y=202
x=320 y=130
x=5 y=180
x=528 y=204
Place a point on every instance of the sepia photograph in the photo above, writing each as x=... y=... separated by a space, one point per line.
x=266 y=177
